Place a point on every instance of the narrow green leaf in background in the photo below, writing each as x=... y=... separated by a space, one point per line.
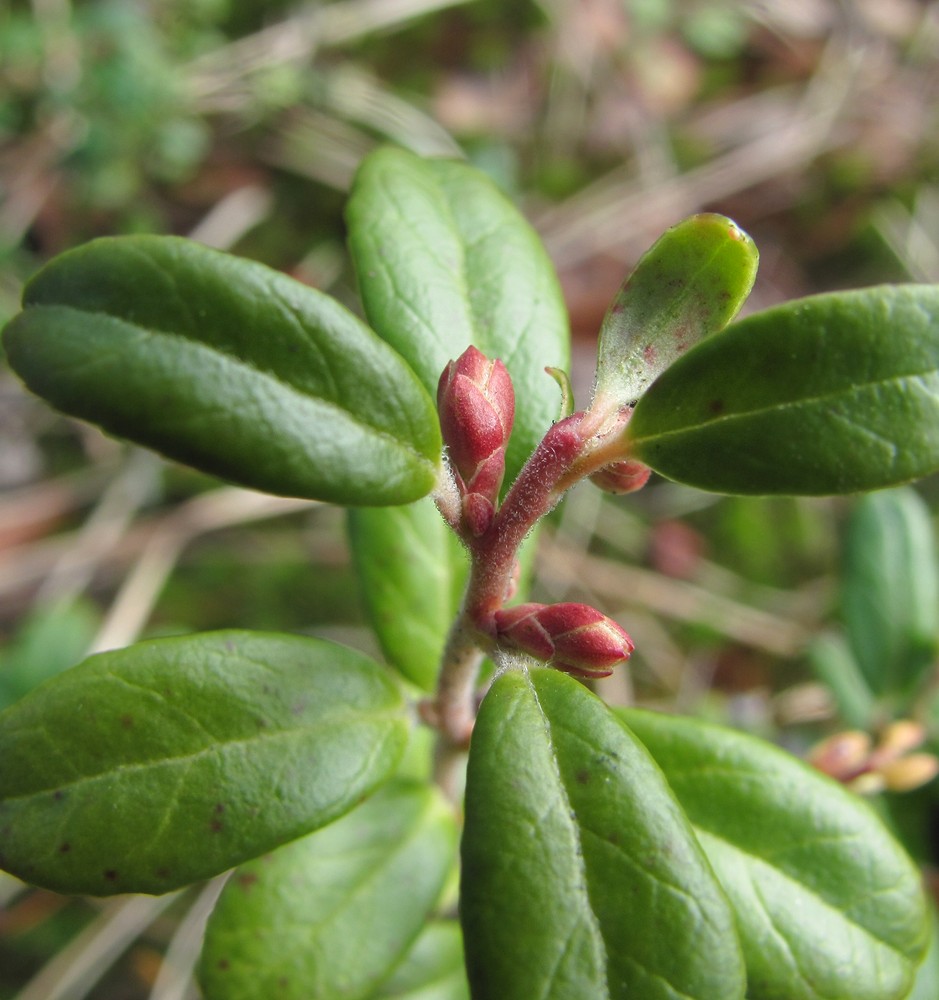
x=148 y=768
x=331 y=914
x=581 y=875
x=411 y=570
x=691 y=283
x=49 y=639
x=835 y=666
x=444 y=260
x=229 y=366
x=890 y=592
x=827 y=902
x=432 y=970
x=831 y=394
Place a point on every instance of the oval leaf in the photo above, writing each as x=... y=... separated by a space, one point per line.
x=432 y=970
x=444 y=260
x=890 y=592
x=827 y=903
x=331 y=914
x=411 y=569
x=148 y=768
x=830 y=394
x=229 y=366
x=691 y=283
x=581 y=876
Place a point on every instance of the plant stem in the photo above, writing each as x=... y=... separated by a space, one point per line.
x=572 y=449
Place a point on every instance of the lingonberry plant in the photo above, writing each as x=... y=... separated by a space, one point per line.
x=604 y=853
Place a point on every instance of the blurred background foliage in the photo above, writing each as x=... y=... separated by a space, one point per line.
x=813 y=123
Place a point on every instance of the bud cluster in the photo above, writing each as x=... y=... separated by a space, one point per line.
x=574 y=638
x=476 y=404
x=853 y=758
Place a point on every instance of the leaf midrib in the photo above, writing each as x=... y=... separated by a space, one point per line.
x=823 y=399
x=264 y=373
x=335 y=720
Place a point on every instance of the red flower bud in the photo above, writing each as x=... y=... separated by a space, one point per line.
x=476 y=403
x=574 y=638
x=622 y=477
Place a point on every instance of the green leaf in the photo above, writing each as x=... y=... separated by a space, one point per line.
x=49 y=639
x=581 y=876
x=827 y=903
x=830 y=394
x=926 y=985
x=691 y=283
x=147 y=768
x=834 y=665
x=444 y=260
x=432 y=970
x=228 y=366
x=890 y=591
x=412 y=570
x=331 y=914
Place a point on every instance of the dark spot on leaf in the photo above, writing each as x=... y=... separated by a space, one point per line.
x=127 y=721
x=58 y=795
x=216 y=826
x=283 y=982
x=111 y=875
x=583 y=776
x=224 y=964
x=247 y=880
x=162 y=873
x=716 y=407
x=219 y=808
x=65 y=848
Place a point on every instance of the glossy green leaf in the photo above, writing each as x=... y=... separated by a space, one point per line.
x=890 y=591
x=581 y=876
x=331 y=914
x=691 y=283
x=147 y=768
x=228 y=366
x=445 y=260
x=827 y=903
x=411 y=570
x=830 y=394
x=432 y=970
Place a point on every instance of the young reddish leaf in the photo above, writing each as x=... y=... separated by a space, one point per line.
x=827 y=903
x=830 y=394
x=691 y=283
x=228 y=366
x=581 y=876
x=154 y=766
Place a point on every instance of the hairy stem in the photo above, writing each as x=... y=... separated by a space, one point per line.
x=572 y=449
